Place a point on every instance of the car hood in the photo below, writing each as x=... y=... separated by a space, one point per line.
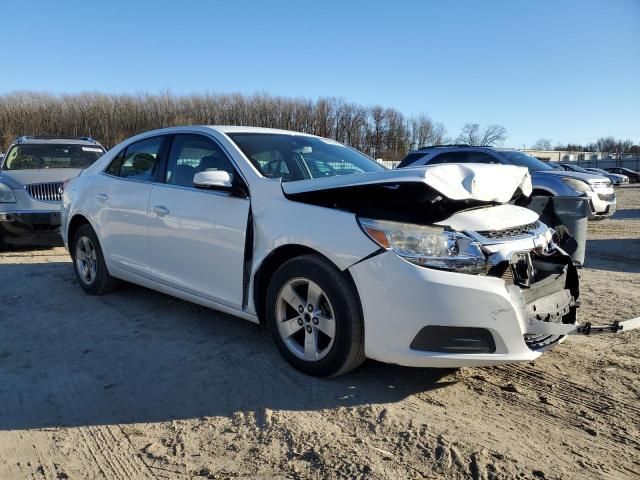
x=20 y=178
x=486 y=183
x=586 y=177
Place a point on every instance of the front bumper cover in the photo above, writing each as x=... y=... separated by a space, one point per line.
x=30 y=228
x=399 y=299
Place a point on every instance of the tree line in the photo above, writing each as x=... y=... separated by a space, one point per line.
x=381 y=132
x=603 y=144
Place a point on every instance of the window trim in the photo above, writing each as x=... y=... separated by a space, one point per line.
x=123 y=152
x=162 y=171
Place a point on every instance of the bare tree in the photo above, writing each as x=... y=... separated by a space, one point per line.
x=491 y=135
x=542 y=144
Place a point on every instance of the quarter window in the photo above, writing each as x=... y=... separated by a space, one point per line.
x=191 y=154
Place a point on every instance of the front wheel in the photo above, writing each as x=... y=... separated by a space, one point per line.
x=314 y=317
x=88 y=262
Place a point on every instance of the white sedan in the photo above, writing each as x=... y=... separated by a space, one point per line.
x=339 y=257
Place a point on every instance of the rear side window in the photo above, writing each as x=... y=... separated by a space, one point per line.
x=138 y=161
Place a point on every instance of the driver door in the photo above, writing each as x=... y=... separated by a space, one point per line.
x=197 y=236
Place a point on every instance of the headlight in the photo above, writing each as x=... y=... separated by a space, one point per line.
x=577 y=185
x=427 y=246
x=6 y=194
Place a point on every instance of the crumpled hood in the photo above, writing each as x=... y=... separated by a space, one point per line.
x=20 y=178
x=488 y=183
x=498 y=217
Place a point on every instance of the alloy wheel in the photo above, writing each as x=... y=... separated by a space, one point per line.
x=86 y=260
x=305 y=319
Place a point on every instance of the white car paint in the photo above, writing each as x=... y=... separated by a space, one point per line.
x=191 y=243
x=455 y=181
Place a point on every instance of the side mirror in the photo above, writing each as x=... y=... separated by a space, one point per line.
x=212 y=179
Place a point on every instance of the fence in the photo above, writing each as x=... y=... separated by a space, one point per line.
x=624 y=161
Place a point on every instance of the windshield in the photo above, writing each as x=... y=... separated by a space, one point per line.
x=524 y=160
x=298 y=157
x=34 y=156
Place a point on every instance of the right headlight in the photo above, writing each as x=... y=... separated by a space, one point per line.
x=577 y=185
x=6 y=194
x=428 y=246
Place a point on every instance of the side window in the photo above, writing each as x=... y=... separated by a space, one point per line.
x=480 y=157
x=114 y=166
x=191 y=154
x=450 y=157
x=141 y=159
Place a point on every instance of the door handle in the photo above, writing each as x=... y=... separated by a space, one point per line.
x=102 y=197
x=160 y=210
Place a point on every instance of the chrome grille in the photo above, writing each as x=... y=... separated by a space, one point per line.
x=45 y=192
x=602 y=184
x=607 y=197
x=511 y=232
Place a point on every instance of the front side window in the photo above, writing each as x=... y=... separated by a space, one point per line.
x=481 y=157
x=523 y=160
x=48 y=155
x=138 y=161
x=191 y=154
x=450 y=157
x=299 y=157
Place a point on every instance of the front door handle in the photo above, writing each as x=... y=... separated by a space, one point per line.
x=102 y=197
x=160 y=210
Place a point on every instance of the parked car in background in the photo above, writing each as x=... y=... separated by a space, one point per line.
x=31 y=176
x=340 y=257
x=616 y=178
x=546 y=179
x=634 y=177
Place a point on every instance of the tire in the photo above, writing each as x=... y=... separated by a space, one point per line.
x=306 y=280
x=85 y=251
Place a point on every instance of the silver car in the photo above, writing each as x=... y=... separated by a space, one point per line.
x=31 y=177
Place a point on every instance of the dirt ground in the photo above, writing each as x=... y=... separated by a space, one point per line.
x=137 y=385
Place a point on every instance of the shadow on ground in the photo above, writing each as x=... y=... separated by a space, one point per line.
x=627 y=214
x=70 y=359
x=618 y=255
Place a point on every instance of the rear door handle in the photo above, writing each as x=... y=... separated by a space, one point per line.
x=160 y=210
x=102 y=197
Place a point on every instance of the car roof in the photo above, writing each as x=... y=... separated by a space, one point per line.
x=40 y=140
x=245 y=129
x=453 y=147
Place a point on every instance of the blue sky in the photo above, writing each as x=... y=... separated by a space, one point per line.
x=567 y=70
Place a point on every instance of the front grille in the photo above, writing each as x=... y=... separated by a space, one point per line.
x=607 y=197
x=604 y=184
x=511 y=232
x=45 y=192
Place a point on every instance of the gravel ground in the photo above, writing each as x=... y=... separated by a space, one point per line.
x=138 y=385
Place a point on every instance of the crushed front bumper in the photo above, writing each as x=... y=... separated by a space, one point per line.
x=30 y=228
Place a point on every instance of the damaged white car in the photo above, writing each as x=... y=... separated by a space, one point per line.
x=341 y=259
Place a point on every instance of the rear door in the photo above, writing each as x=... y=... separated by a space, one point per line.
x=197 y=236
x=124 y=201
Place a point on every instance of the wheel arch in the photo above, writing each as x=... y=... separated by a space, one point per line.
x=74 y=224
x=274 y=260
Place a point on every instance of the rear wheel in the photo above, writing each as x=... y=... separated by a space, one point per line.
x=88 y=262
x=314 y=317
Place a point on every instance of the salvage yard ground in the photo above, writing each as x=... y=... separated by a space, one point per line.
x=137 y=385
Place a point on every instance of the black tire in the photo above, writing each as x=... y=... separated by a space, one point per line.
x=347 y=350
x=102 y=282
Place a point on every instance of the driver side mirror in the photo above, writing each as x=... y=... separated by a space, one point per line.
x=212 y=179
